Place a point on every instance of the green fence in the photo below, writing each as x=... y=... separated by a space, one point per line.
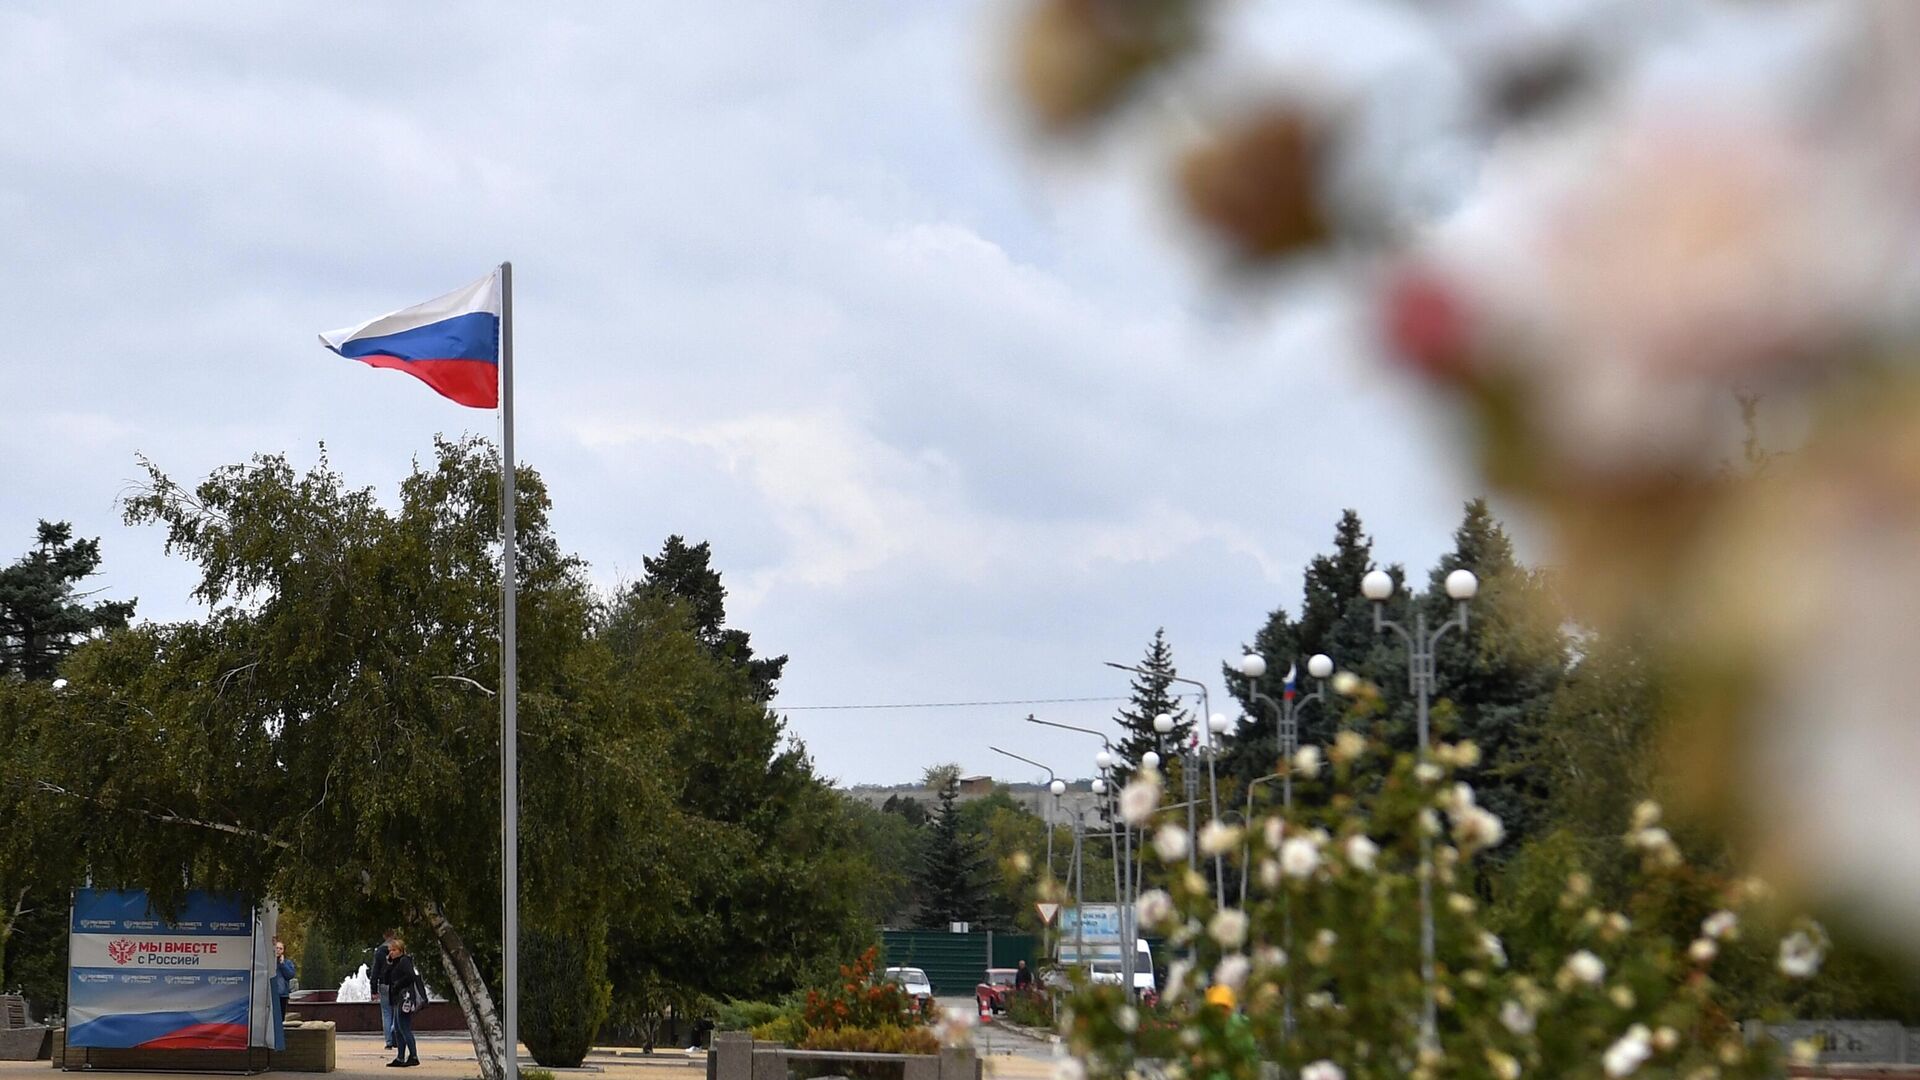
x=955 y=963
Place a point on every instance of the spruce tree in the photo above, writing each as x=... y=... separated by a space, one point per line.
x=685 y=573
x=952 y=887
x=1152 y=694
x=42 y=616
x=1334 y=619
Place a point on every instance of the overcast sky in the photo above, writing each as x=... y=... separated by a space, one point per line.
x=959 y=421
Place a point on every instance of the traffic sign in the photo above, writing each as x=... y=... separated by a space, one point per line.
x=1047 y=912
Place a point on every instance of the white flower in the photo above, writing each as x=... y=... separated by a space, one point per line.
x=1232 y=971
x=1665 y=1039
x=1460 y=799
x=1306 y=761
x=1585 y=967
x=1276 y=829
x=1228 y=927
x=1505 y=1066
x=1319 y=1000
x=1475 y=827
x=1629 y=1052
x=1428 y=773
x=1721 y=925
x=1139 y=799
x=1154 y=908
x=1361 y=853
x=1429 y=822
x=1490 y=945
x=1127 y=1018
x=1299 y=857
x=1069 y=1068
x=1348 y=746
x=1702 y=951
x=1515 y=1017
x=1322 y=1070
x=1218 y=838
x=1271 y=956
x=1177 y=973
x=1646 y=815
x=1269 y=874
x=1652 y=838
x=1170 y=843
x=955 y=1027
x=1800 y=955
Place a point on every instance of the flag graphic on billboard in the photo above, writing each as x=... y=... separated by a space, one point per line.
x=135 y=979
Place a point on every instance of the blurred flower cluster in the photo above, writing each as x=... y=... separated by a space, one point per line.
x=1320 y=971
x=1675 y=299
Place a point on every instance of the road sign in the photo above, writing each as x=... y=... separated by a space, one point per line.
x=1047 y=912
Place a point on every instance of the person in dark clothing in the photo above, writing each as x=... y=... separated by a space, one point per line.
x=377 y=976
x=407 y=992
x=283 y=975
x=1022 y=978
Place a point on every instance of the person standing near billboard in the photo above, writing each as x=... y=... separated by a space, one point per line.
x=283 y=976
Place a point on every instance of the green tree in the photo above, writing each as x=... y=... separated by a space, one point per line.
x=1334 y=619
x=951 y=887
x=1150 y=695
x=43 y=614
x=686 y=573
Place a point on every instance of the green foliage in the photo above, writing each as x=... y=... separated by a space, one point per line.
x=327 y=731
x=565 y=992
x=43 y=615
x=536 y=1074
x=858 y=997
x=950 y=886
x=684 y=573
x=748 y=1015
x=883 y=1039
x=1331 y=936
x=1152 y=694
x=1030 y=1009
x=786 y=1029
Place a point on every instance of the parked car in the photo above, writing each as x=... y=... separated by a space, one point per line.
x=995 y=990
x=915 y=983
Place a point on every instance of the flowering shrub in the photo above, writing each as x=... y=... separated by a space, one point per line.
x=859 y=998
x=1321 y=972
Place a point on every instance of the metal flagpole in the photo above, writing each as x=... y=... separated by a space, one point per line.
x=509 y=695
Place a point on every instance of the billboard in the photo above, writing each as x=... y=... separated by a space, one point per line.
x=136 y=979
x=1090 y=923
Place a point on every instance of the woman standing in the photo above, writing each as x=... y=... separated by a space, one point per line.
x=283 y=975
x=408 y=993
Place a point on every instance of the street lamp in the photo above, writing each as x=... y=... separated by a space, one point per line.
x=1055 y=785
x=1213 y=786
x=1150 y=760
x=1461 y=587
x=1286 y=711
x=1105 y=759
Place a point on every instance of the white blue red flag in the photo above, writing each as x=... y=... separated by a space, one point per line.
x=1288 y=689
x=451 y=343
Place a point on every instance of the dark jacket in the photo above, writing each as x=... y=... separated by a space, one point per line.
x=401 y=974
x=378 y=974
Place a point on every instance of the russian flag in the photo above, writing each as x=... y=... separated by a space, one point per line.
x=1288 y=688
x=451 y=343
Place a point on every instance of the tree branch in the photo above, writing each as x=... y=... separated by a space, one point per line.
x=167 y=817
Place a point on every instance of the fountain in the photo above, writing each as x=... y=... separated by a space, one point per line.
x=356 y=987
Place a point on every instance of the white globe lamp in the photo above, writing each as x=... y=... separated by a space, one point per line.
x=1377 y=585
x=1319 y=665
x=1253 y=665
x=1462 y=585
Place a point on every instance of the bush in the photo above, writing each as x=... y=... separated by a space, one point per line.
x=749 y=1015
x=859 y=998
x=1030 y=1009
x=564 y=993
x=884 y=1039
x=787 y=1029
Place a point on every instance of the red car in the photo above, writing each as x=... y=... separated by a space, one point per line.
x=993 y=994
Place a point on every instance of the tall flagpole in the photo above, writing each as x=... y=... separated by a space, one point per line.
x=509 y=700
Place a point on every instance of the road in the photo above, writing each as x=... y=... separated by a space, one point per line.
x=1006 y=1051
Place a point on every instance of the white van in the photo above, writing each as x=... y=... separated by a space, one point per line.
x=1105 y=960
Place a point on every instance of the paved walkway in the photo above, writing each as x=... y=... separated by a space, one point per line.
x=1009 y=1055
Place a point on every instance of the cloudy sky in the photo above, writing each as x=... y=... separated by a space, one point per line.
x=960 y=420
